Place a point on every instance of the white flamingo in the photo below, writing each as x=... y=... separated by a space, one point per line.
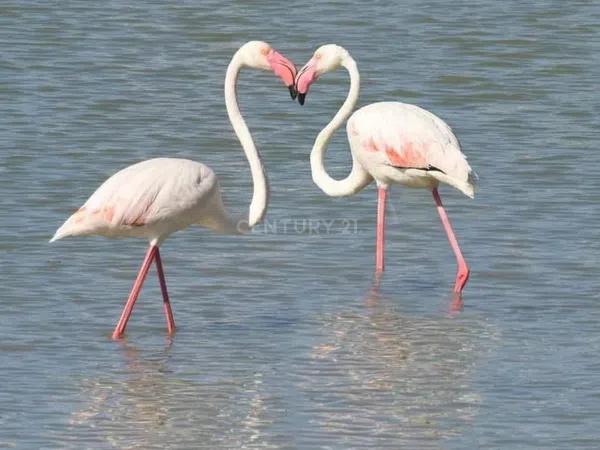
x=390 y=142
x=157 y=197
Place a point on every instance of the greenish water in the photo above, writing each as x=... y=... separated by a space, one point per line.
x=282 y=341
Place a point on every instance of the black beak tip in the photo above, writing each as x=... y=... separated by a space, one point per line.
x=293 y=91
x=301 y=98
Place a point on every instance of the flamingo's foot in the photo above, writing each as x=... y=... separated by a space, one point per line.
x=169 y=317
x=377 y=276
x=456 y=305
x=461 y=279
x=117 y=336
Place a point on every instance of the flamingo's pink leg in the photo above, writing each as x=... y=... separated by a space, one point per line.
x=463 y=270
x=381 y=195
x=135 y=290
x=163 y=288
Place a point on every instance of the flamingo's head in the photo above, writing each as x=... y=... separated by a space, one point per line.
x=325 y=59
x=260 y=55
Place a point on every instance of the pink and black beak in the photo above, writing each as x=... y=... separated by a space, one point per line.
x=306 y=76
x=284 y=69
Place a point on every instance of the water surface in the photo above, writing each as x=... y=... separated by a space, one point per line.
x=283 y=341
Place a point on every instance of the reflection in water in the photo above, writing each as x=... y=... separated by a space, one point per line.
x=373 y=376
x=456 y=305
x=453 y=307
x=151 y=408
x=400 y=379
x=133 y=409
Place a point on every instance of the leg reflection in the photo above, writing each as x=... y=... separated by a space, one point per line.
x=374 y=296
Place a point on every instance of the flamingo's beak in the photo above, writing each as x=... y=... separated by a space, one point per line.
x=284 y=69
x=293 y=91
x=306 y=76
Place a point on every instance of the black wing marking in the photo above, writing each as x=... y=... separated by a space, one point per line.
x=429 y=168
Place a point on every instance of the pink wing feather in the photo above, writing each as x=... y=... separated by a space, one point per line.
x=407 y=136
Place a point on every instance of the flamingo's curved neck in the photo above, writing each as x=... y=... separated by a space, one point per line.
x=260 y=196
x=358 y=177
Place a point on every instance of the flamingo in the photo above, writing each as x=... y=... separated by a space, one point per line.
x=390 y=142
x=156 y=197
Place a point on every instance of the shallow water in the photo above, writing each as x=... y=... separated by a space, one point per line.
x=283 y=340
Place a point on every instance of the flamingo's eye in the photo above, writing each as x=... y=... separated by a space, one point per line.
x=318 y=56
x=265 y=51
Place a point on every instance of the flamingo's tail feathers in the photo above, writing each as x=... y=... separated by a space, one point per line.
x=467 y=186
x=473 y=177
x=470 y=184
x=468 y=189
x=56 y=237
x=62 y=232
x=74 y=226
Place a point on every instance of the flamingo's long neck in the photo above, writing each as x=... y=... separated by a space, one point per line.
x=260 y=196
x=358 y=177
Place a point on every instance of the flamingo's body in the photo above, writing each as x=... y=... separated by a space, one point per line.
x=390 y=142
x=405 y=144
x=156 y=197
x=151 y=199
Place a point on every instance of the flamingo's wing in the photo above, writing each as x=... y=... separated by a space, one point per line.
x=147 y=192
x=409 y=137
x=142 y=194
